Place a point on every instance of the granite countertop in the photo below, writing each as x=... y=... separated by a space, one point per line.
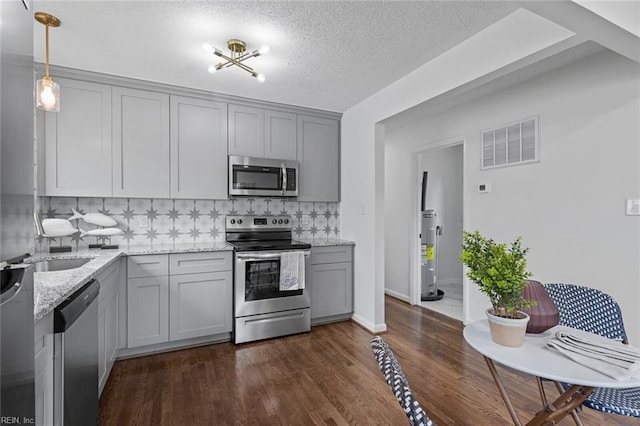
x=52 y=288
x=323 y=241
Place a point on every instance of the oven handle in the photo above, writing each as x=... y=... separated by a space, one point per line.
x=263 y=256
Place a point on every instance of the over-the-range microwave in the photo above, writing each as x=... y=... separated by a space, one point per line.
x=264 y=177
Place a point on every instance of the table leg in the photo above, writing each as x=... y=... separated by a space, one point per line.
x=562 y=406
x=503 y=393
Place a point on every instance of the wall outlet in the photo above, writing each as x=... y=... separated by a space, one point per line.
x=305 y=219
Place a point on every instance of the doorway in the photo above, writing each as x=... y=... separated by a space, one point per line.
x=444 y=194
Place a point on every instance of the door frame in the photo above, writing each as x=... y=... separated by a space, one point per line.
x=414 y=239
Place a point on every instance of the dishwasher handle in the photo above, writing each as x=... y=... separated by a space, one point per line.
x=70 y=310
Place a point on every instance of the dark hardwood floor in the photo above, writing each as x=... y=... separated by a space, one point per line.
x=325 y=377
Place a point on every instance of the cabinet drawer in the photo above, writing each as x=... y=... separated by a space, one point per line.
x=331 y=254
x=194 y=263
x=153 y=265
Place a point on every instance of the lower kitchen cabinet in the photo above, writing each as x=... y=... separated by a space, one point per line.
x=184 y=296
x=147 y=311
x=331 y=283
x=200 y=304
x=44 y=370
x=108 y=317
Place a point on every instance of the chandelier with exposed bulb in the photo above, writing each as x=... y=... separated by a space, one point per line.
x=237 y=55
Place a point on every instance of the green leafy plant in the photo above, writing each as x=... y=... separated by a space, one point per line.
x=498 y=270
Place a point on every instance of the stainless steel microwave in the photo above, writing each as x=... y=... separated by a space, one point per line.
x=262 y=177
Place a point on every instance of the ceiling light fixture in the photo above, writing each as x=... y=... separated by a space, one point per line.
x=47 y=90
x=238 y=55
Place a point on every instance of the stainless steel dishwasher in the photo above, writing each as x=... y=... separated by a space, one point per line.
x=75 y=324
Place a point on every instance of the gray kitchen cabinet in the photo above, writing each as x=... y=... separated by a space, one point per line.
x=201 y=294
x=246 y=131
x=43 y=335
x=319 y=159
x=77 y=142
x=147 y=300
x=198 y=148
x=280 y=137
x=263 y=133
x=140 y=143
x=174 y=297
x=108 y=317
x=331 y=283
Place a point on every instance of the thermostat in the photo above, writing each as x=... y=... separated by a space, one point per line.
x=484 y=187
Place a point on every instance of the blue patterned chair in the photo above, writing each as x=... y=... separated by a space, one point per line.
x=592 y=310
x=394 y=376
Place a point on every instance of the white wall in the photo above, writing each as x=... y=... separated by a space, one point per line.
x=569 y=207
x=515 y=37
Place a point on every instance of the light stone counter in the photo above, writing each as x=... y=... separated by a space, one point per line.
x=322 y=242
x=52 y=288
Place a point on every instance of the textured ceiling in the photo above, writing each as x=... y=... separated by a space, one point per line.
x=324 y=54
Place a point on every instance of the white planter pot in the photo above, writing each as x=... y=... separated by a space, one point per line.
x=507 y=331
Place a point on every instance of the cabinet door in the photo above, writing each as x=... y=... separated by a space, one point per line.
x=331 y=289
x=78 y=142
x=200 y=304
x=44 y=396
x=147 y=311
x=198 y=149
x=107 y=335
x=246 y=131
x=102 y=358
x=140 y=143
x=318 y=157
x=280 y=135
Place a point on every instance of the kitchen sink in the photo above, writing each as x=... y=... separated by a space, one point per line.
x=59 y=264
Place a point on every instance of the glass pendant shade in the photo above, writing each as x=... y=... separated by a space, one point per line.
x=48 y=95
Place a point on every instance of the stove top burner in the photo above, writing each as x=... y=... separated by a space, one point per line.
x=269 y=245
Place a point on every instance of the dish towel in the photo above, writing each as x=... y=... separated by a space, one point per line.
x=609 y=357
x=291 y=270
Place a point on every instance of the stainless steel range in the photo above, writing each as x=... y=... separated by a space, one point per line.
x=270 y=298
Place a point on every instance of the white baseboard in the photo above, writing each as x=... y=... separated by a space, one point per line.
x=374 y=328
x=397 y=295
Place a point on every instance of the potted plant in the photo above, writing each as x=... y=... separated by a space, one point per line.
x=500 y=272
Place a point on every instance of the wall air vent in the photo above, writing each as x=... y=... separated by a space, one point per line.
x=514 y=143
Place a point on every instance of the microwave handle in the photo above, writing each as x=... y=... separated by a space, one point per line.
x=284 y=178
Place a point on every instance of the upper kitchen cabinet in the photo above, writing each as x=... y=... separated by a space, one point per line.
x=77 y=142
x=198 y=148
x=319 y=159
x=246 y=131
x=280 y=135
x=256 y=132
x=140 y=143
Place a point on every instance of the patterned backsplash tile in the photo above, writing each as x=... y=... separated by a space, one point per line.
x=166 y=221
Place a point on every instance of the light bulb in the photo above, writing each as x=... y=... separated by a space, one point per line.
x=212 y=69
x=263 y=50
x=47 y=97
x=260 y=77
x=207 y=47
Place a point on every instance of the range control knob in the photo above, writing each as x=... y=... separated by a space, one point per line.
x=232 y=221
x=274 y=221
x=239 y=221
x=286 y=221
x=280 y=221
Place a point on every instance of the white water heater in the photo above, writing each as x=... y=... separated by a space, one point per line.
x=429 y=233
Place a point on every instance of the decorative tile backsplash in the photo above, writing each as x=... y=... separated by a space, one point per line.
x=164 y=221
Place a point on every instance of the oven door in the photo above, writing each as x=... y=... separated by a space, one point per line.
x=257 y=284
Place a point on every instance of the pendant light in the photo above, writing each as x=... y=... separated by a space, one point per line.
x=47 y=90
